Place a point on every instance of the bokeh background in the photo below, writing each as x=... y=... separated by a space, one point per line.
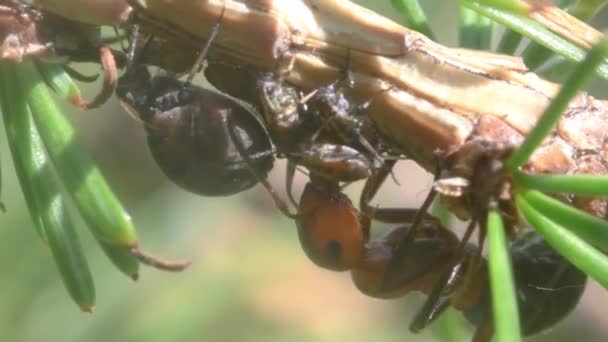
x=250 y=280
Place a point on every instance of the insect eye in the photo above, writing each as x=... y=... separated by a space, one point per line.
x=334 y=251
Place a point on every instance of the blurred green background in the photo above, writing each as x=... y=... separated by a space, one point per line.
x=250 y=280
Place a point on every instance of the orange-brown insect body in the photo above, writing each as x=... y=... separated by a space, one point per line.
x=431 y=254
x=329 y=228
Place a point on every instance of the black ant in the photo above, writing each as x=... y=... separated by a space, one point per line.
x=191 y=129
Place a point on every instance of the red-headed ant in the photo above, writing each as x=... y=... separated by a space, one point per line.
x=334 y=236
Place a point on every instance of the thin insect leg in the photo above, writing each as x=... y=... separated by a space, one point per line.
x=78 y=76
x=429 y=309
x=291 y=172
x=485 y=329
x=347 y=76
x=402 y=249
x=361 y=108
x=215 y=30
x=429 y=316
x=394 y=178
x=378 y=160
x=372 y=185
x=109 y=79
x=132 y=44
x=476 y=262
x=243 y=153
x=117 y=34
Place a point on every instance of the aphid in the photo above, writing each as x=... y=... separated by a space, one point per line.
x=340 y=116
x=301 y=134
x=298 y=123
x=321 y=131
x=191 y=130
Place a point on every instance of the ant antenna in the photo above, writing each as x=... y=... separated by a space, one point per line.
x=215 y=30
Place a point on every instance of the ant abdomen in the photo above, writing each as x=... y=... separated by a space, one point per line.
x=548 y=286
x=189 y=134
x=328 y=227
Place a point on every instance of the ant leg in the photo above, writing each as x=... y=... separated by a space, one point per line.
x=402 y=248
x=347 y=75
x=133 y=44
x=280 y=204
x=110 y=77
x=428 y=316
x=371 y=187
x=117 y=34
x=434 y=304
x=79 y=76
x=485 y=329
x=357 y=112
x=388 y=215
x=215 y=30
x=291 y=171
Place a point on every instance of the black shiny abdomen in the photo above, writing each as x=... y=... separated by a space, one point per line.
x=188 y=134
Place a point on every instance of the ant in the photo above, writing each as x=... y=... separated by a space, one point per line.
x=191 y=130
x=211 y=145
x=334 y=236
x=548 y=287
x=318 y=130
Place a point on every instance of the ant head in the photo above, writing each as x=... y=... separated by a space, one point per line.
x=329 y=228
